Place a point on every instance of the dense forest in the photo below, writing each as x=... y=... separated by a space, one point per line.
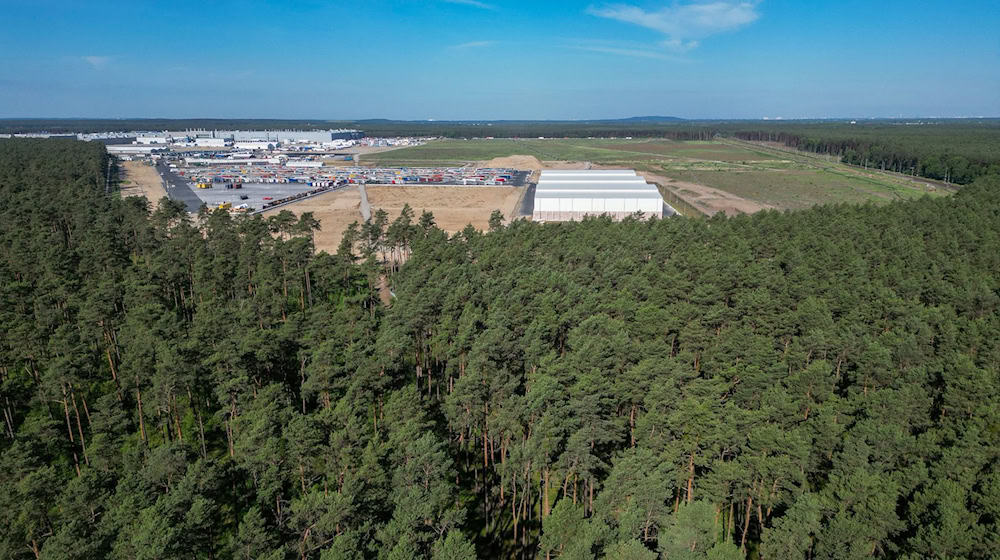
x=818 y=384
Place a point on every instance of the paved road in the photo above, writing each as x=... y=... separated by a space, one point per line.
x=519 y=178
x=178 y=189
x=366 y=208
x=527 y=201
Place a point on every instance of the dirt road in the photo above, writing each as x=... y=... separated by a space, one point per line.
x=139 y=179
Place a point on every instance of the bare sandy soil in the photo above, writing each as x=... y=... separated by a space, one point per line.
x=453 y=207
x=514 y=162
x=142 y=180
x=335 y=211
x=559 y=164
x=706 y=199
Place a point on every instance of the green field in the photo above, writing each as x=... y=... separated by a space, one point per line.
x=778 y=178
x=800 y=187
x=603 y=151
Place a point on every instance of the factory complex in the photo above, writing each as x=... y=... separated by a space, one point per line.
x=573 y=194
x=244 y=182
x=253 y=171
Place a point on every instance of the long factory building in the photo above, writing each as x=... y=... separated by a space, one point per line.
x=573 y=194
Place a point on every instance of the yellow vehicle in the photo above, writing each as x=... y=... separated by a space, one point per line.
x=225 y=206
x=204 y=185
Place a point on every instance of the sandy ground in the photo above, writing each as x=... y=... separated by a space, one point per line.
x=706 y=199
x=335 y=211
x=143 y=180
x=559 y=164
x=453 y=207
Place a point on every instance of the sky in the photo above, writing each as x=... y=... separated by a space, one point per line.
x=497 y=59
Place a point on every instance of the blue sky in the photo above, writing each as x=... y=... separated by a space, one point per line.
x=497 y=59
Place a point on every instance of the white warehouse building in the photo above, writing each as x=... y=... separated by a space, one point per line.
x=211 y=142
x=571 y=195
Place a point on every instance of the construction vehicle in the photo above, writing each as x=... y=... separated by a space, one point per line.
x=204 y=185
x=225 y=206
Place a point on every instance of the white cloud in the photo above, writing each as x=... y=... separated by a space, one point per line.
x=473 y=3
x=98 y=62
x=474 y=44
x=638 y=53
x=685 y=24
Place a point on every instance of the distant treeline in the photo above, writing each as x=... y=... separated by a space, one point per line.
x=547 y=129
x=957 y=152
x=663 y=127
x=74 y=126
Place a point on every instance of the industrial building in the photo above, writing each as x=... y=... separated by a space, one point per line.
x=277 y=136
x=572 y=194
x=253 y=145
x=211 y=142
x=130 y=149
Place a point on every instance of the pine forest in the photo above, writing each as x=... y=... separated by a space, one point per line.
x=819 y=384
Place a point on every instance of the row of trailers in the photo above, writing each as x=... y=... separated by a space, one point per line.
x=564 y=195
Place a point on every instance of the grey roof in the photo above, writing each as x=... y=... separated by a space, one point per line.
x=596 y=194
x=546 y=180
x=597 y=186
x=594 y=183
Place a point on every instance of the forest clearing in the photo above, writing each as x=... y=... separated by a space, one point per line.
x=718 y=175
x=453 y=207
x=335 y=212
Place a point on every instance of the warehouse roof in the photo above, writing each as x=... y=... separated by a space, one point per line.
x=596 y=194
x=610 y=191
x=549 y=180
x=594 y=185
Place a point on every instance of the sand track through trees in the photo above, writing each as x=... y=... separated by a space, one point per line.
x=140 y=179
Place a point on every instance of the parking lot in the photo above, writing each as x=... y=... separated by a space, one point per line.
x=257 y=193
